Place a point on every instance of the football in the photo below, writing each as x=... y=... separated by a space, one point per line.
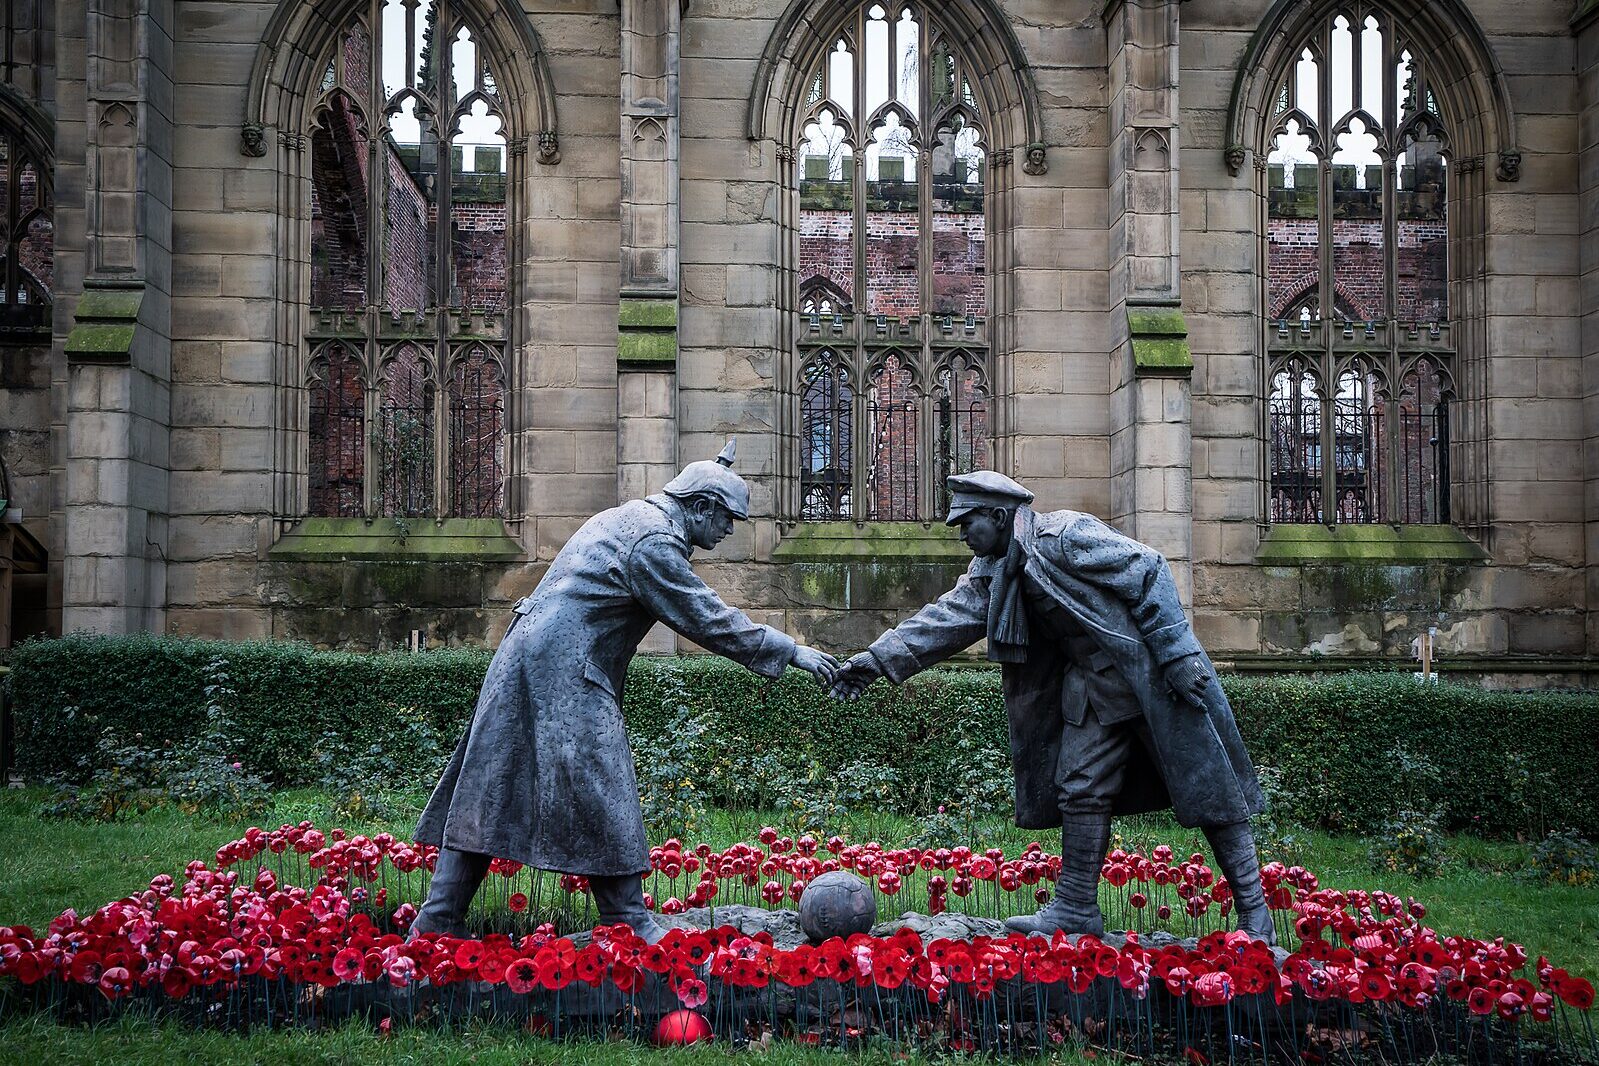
x=836 y=904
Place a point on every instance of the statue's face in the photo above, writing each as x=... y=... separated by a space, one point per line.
x=986 y=531
x=709 y=523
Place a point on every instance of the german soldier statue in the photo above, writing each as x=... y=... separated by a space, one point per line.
x=1114 y=707
x=544 y=774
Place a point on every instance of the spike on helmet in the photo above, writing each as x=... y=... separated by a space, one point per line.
x=714 y=478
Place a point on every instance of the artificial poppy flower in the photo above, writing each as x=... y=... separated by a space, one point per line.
x=348 y=965
x=522 y=976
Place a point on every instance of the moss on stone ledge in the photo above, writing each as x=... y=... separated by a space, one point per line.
x=1374 y=544
x=847 y=541
x=461 y=539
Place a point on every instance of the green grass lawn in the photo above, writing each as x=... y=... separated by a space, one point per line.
x=47 y=866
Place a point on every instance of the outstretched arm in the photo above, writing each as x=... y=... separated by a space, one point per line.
x=956 y=620
x=659 y=576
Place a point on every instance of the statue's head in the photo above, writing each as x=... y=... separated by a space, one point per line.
x=712 y=497
x=983 y=503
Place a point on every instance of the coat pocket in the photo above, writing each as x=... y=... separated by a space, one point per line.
x=593 y=674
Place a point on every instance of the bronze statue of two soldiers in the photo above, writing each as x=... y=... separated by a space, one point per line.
x=1113 y=705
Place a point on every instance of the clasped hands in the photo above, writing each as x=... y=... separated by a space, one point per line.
x=1189 y=679
x=846 y=682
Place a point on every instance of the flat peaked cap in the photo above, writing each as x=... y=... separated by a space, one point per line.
x=714 y=478
x=982 y=488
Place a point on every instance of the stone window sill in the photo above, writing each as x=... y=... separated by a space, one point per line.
x=1375 y=545
x=843 y=542
x=457 y=539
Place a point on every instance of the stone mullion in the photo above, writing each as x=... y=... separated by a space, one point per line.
x=1325 y=358
x=443 y=251
x=997 y=218
x=924 y=260
x=291 y=352
x=860 y=445
x=1388 y=504
x=511 y=378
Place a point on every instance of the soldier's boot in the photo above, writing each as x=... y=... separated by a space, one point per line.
x=456 y=877
x=621 y=899
x=1234 y=848
x=1075 y=906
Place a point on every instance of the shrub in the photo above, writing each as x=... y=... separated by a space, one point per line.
x=1563 y=858
x=1348 y=750
x=1408 y=843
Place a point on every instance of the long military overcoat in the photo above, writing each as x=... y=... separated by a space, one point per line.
x=544 y=774
x=1123 y=594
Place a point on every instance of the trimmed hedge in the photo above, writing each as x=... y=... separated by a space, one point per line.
x=1349 y=749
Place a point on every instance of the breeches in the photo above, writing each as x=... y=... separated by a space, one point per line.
x=1093 y=762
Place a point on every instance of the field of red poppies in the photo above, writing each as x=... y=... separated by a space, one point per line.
x=296 y=926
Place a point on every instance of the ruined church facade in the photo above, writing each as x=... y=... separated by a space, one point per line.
x=333 y=319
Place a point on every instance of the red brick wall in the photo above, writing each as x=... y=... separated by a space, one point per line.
x=959 y=260
x=1360 y=267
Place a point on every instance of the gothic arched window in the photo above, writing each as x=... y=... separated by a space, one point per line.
x=27 y=230
x=1358 y=193
x=891 y=282
x=409 y=282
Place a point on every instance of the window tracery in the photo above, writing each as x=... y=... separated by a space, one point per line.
x=891 y=273
x=409 y=268
x=1357 y=176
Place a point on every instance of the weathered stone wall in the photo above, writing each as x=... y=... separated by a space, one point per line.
x=1519 y=602
x=1586 y=27
x=1060 y=370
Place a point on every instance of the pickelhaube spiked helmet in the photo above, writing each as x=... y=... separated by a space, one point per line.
x=714 y=478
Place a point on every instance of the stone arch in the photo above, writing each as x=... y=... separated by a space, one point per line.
x=301 y=32
x=808 y=28
x=32 y=126
x=1467 y=77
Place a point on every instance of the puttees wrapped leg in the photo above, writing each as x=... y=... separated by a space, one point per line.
x=1234 y=848
x=1075 y=905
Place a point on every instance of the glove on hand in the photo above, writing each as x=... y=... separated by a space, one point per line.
x=1189 y=679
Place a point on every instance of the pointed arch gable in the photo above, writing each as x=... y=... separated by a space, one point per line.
x=301 y=32
x=1466 y=75
x=808 y=28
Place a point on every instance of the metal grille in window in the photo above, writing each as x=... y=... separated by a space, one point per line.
x=1294 y=414
x=891 y=428
x=961 y=411
x=405 y=436
x=477 y=426
x=338 y=448
x=827 y=409
x=1358 y=467
x=1423 y=446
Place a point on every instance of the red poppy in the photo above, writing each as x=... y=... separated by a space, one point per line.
x=348 y=965
x=517 y=903
x=590 y=967
x=554 y=972
x=522 y=976
x=470 y=955
x=116 y=982
x=1576 y=992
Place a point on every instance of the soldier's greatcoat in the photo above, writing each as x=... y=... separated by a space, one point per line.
x=1123 y=594
x=544 y=774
